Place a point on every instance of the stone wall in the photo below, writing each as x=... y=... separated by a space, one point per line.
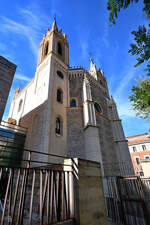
x=75 y=139
x=76 y=89
x=89 y=195
x=75 y=125
x=7 y=71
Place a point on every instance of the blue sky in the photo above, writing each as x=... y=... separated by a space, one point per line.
x=85 y=22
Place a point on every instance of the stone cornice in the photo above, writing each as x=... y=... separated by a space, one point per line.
x=52 y=53
x=60 y=66
x=103 y=116
x=116 y=120
x=139 y=142
x=121 y=140
x=59 y=59
x=76 y=73
x=73 y=108
x=90 y=125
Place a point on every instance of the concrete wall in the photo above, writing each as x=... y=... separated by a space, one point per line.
x=7 y=70
x=146 y=167
x=89 y=196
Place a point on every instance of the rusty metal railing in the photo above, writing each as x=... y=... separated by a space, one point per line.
x=127 y=199
x=36 y=188
x=35 y=196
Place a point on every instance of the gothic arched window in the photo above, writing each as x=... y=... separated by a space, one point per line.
x=46 y=49
x=59 y=95
x=20 y=105
x=73 y=103
x=59 y=126
x=59 y=48
x=97 y=107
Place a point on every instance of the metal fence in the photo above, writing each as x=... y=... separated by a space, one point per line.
x=35 y=196
x=127 y=200
x=34 y=190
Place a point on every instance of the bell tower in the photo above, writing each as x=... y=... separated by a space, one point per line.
x=53 y=64
x=54 y=42
x=49 y=99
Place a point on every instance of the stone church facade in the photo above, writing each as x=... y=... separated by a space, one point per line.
x=68 y=111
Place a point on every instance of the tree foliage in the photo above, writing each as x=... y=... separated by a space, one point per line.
x=114 y=6
x=141 y=98
x=141 y=48
x=141 y=37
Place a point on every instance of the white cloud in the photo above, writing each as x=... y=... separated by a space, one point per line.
x=125 y=108
x=105 y=37
x=22 y=77
x=23 y=30
x=84 y=50
x=30 y=28
x=128 y=74
x=121 y=93
x=124 y=82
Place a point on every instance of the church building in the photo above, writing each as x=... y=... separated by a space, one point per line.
x=68 y=111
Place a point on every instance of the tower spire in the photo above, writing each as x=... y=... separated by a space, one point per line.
x=54 y=25
x=90 y=55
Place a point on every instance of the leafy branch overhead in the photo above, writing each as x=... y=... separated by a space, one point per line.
x=114 y=6
x=142 y=46
x=140 y=93
x=141 y=98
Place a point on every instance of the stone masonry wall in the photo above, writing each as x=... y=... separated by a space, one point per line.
x=75 y=140
x=76 y=89
x=107 y=145
x=7 y=71
x=75 y=133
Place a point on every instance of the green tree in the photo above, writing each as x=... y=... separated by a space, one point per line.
x=114 y=6
x=141 y=48
x=141 y=98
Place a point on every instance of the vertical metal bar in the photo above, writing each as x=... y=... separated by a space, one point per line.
x=31 y=201
x=51 y=198
x=1 y=170
x=41 y=219
x=62 y=196
x=6 y=195
x=68 y=195
x=54 y=199
x=145 y=210
x=44 y=194
x=24 y=196
x=10 y=198
x=71 y=183
x=48 y=198
x=66 y=189
x=57 y=188
x=15 y=195
x=44 y=191
x=65 y=197
x=21 y=196
x=122 y=214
